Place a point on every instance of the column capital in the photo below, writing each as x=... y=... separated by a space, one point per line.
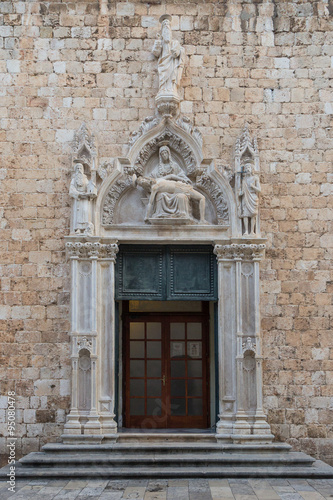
x=93 y=250
x=242 y=251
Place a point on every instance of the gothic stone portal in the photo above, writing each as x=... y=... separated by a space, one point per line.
x=163 y=192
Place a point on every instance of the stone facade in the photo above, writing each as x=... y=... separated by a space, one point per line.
x=267 y=63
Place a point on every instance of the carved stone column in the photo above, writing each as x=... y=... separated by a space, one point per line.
x=107 y=338
x=93 y=425
x=241 y=425
x=226 y=329
x=73 y=425
x=260 y=425
x=239 y=319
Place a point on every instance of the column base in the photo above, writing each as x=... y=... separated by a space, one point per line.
x=225 y=425
x=108 y=425
x=261 y=426
x=241 y=426
x=93 y=425
x=73 y=425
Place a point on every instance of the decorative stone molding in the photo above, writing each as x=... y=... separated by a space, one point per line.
x=185 y=123
x=247 y=269
x=245 y=144
x=240 y=251
x=84 y=343
x=147 y=124
x=175 y=142
x=104 y=169
x=210 y=186
x=84 y=147
x=225 y=170
x=92 y=249
x=249 y=345
x=108 y=210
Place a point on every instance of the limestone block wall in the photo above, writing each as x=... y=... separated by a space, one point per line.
x=267 y=62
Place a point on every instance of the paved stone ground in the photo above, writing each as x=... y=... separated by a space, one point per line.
x=179 y=489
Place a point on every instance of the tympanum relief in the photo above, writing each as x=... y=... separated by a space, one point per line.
x=171 y=193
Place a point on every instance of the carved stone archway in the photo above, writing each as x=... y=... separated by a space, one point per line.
x=176 y=197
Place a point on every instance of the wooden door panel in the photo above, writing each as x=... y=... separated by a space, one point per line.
x=166 y=370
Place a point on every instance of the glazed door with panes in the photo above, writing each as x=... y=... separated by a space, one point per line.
x=166 y=382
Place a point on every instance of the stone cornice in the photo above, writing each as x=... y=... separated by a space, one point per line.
x=242 y=251
x=92 y=250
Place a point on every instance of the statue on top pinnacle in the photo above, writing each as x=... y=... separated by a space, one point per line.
x=170 y=67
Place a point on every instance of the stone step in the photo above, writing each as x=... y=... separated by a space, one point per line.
x=156 y=460
x=160 y=437
x=165 y=447
x=318 y=471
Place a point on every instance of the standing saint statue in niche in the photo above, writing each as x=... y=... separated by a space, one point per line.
x=171 y=192
x=249 y=194
x=171 y=59
x=82 y=191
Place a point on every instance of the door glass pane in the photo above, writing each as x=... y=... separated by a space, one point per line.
x=137 y=369
x=194 y=330
x=154 y=407
x=177 y=349
x=154 y=368
x=194 y=349
x=178 y=406
x=154 y=388
x=194 y=406
x=194 y=387
x=153 y=349
x=137 y=330
x=177 y=330
x=178 y=369
x=194 y=368
x=137 y=349
x=154 y=331
x=137 y=406
x=178 y=388
x=137 y=387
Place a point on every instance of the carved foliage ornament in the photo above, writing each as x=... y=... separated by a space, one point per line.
x=209 y=185
x=239 y=251
x=249 y=345
x=84 y=148
x=246 y=143
x=112 y=197
x=90 y=249
x=84 y=343
x=147 y=124
x=185 y=123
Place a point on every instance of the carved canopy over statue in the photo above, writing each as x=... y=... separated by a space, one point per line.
x=171 y=192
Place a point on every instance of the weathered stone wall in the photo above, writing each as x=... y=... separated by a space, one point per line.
x=265 y=62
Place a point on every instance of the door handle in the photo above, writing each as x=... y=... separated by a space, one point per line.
x=163 y=380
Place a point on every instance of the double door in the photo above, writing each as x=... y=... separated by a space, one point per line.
x=166 y=367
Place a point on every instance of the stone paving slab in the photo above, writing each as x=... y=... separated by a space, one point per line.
x=173 y=489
